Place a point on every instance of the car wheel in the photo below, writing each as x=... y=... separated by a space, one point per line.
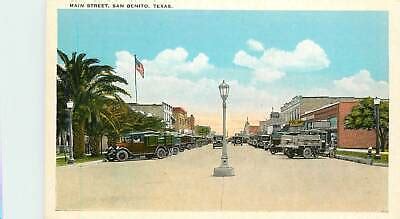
x=175 y=151
x=307 y=153
x=272 y=151
x=122 y=155
x=290 y=153
x=161 y=153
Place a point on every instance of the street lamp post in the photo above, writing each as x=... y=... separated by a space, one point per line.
x=224 y=169
x=377 y=102
x=70 y=107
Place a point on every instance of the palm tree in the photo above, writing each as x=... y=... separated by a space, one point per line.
x=89 y=85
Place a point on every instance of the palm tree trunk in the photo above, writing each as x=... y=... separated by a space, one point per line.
x=94 y=142
x=79 y=141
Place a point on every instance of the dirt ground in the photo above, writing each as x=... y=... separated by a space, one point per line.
x=262 y=182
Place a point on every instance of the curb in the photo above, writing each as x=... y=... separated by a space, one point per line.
x=360 y=160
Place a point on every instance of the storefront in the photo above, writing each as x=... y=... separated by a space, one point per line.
x=334 y=115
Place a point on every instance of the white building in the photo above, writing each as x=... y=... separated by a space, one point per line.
x=162 y=111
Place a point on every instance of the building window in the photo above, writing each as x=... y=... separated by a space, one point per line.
x=333 y=122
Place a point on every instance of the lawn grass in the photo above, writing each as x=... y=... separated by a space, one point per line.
x=384 y=157
x=61 y=160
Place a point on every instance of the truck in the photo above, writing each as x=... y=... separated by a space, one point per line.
x=277 y=141
x=306 y=144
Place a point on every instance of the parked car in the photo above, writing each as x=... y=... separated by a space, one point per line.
x=169 y=142
x=217 y=141
x=188 y=141
x=136 y=144
x=252 y=140
x=238 y=140
x=178 y=143
x=263 y=141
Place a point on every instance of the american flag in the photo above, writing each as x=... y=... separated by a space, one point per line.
x=139 y=67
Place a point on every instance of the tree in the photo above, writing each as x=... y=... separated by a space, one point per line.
x=124 y=120
x=362 y=116
x=202 y=130
x=89 y=85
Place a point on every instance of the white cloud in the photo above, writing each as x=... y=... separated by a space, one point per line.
x=361 y=84
x=268 y=74
x=175 y=61
x=307 y=56
x=255 y=45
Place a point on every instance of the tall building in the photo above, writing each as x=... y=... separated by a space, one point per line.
x=162 y=111
x=298 y=105
x=274 y=123
x=180 y=116
x=191 y=122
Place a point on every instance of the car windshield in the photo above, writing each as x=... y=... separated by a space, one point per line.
x=265 y=138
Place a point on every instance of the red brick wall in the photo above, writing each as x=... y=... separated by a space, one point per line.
x=352 y=138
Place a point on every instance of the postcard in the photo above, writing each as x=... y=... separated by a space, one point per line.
x=162 y=108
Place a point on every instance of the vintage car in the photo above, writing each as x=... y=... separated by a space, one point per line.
x=217 y=141
x=263 y=141
x=188 y=141
x=238 y=140
x=199 y=141
x=252 y=140
x=178 y=143
x=169 y=142
x=136 y=144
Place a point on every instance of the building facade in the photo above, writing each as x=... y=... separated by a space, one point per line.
x=298 y=105
x=162 y=111
x=250 y=129
x=191 y=122
x=274 y=123
x=182 y=123
x=334 y=115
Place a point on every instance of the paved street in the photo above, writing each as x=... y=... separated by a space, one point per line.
x=263 y=182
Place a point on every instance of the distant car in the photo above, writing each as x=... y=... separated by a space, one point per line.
x=188 y=141
x=217 y=141
x=238 y=140
x=263 y=141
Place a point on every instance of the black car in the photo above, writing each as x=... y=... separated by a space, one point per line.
x=263 y=141
x=217 y=141
x=238 y=140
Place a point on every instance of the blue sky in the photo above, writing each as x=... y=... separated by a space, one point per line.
x=347 y=49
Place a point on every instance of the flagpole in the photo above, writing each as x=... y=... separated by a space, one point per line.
x=135 y=81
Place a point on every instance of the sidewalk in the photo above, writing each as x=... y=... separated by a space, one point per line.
x=359 y=150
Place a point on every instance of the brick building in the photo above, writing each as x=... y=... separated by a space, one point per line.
x=298 y=105
x=335 y=114
x=191 y=122
x=250 y=129
x=183 y=123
